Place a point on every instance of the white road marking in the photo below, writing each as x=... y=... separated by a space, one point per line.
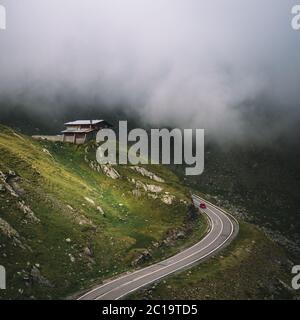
x=138 y=271
x=168 y=266
x=174 y=270
x=170 y=259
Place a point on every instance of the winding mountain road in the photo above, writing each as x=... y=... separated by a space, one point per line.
x=223 y=229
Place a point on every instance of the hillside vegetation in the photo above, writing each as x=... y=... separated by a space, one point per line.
x=66 y=223
x=258 y=183
x=253 y=267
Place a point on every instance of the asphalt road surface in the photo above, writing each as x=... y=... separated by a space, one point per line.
x=223 y=228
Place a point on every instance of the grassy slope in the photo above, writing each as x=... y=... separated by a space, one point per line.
x=249 y=268
x=54 y=182
x=260 y=183
x=252 y=267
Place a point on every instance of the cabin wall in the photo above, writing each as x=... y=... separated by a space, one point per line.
x=69 y=138
x=80 y=138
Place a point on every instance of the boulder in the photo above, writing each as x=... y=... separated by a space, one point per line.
x=146 y=255
x=8 y=231
x=35 y=276
x=89 y=200
x=88 y=252
x=167 y=199
x=146 y=173
x=154 y=188
x=100 y=210
x=29 y=214
x=109 y=171
x=180 y=235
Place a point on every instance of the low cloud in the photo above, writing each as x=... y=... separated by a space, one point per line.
x=231 y=67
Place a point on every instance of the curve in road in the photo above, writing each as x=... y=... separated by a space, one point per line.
x=223 y=228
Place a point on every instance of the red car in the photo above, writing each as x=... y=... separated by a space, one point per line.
x=202 y=205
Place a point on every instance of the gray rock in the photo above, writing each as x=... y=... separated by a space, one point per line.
x=35 y=276
x=180 y=235
x=168 y=199
x=100 y=210
x=146 y=255
x=154 y=188
x=109 y=171
x=140 y=185
x=29 y=214
x=87 y=251
x=7 y=230
x=146 y=173
x=8 y=187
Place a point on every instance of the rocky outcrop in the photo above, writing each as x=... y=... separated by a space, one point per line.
x=100 y=210
x=153 y=188
x=82 y=220
x=168 y=198
x=4 y=181
x=35 y=276
x=89 y=256
x=171 y=237
x=91 y=201
x=8 y=231
x=87 y=251
x=107 y=169
x=140 y=185
x=29 y=214
x=146 y=187
x=146 y=173
x=13 y=180
x=146 y=255
x=152 y=191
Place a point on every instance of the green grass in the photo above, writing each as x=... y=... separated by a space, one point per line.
x=54 y=182
x=259 y=181
x=252 y=267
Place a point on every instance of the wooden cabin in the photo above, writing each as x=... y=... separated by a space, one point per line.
x=81 y=131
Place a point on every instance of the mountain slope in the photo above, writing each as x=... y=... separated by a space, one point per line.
x=258 y=183
x=253 y=267
x=65 y=224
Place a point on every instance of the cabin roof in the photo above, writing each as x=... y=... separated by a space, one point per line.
x=83 y=122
